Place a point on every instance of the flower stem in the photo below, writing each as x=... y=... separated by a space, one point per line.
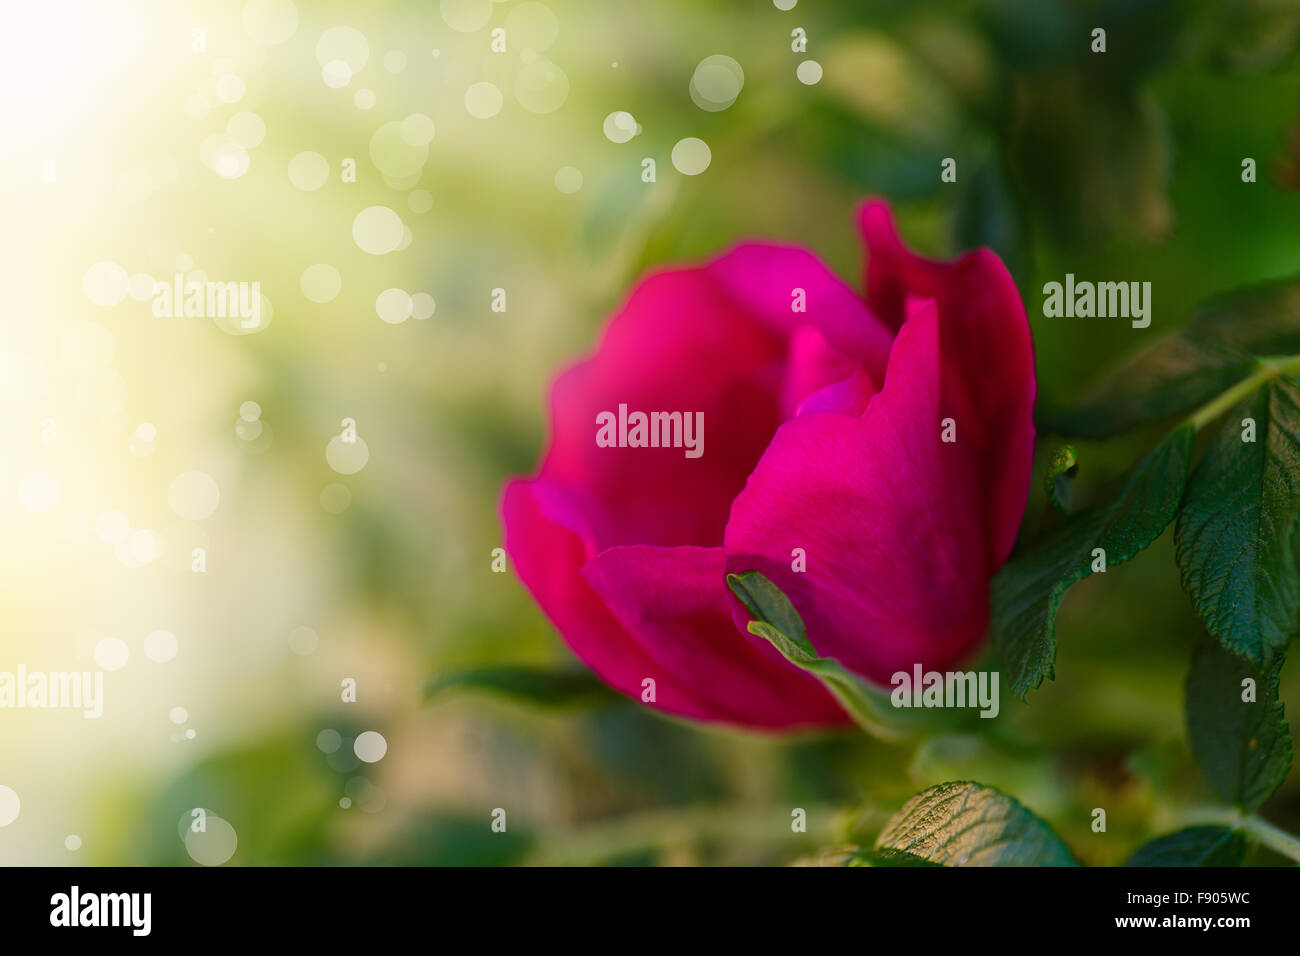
x=1257 y=828
x=1269 y=369
x=1272 y=837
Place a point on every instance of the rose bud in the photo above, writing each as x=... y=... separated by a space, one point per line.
x=870 y=455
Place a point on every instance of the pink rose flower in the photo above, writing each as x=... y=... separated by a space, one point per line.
x=823 y=430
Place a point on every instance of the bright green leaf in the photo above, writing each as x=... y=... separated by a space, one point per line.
x=1027 y=592
x=1244 y=746
x=968 y=824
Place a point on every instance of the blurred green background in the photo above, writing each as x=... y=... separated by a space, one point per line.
x=1117 y=166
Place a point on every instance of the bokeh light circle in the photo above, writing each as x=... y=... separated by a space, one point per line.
x=716 y=83
x=377 y=230
x=483 y=100
x=270 y=22
x=394 y=306
x=10 y=805
x=215 y=845
x=105 y=283
x=419 y=201
x=620 y=126
x=347 y=458
x=691 y=156
x=111 y=654
x=160 y=646
x=309 y=171
x=423 y=306
x=346 y=45
x=568 y=179
x=465 y=16
x=38 y=492
x=194 y=495
x=370 y=746
x=809 y=72
x=541 y=87
x=320 y=282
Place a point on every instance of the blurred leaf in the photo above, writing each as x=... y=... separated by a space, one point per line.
x=1195 y=846
x=1062 y=467
x=780 y=624
x=999 y=764
x=1262 y=319
x=622 y=742
x=968 y=824
x=987 y=215
x=1246 y=34
x=1105 y=173
x=1244 y=747
x=1028 y=590
x=1030 y=34
x=874 y=159
x=1175 y=375
x=531 y=685
x=1235 y=528
x=1113 y=156
x=882 y=84
x=279 y=795
x=449 y=840
x=1216 y=350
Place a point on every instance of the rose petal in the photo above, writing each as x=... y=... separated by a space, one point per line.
x=762 y=277
x=672 y=601
x=679 y=344
x=889 y=517
x=988 y=362
x=548 y=542
x=812 y=366
x=849 y=397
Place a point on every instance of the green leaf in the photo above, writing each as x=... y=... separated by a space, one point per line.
x=544 y=688
x=1235 y=528
x=887 y=857
x=1218 y=348
x=1243 y=746
x=1195 y=846
x=1174 y=375
x=968 y=824
x=768 y=603
x=779 y=623
x=1061 y=468
x=1028 y=590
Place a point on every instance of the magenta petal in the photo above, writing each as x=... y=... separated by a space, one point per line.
x=849 y=397
x=672 y=601
x=679 y=344
x=988 y=363
x=812 y=366
x=548 y=544
x=889 y=518
x=763 y=277
x=894 y=273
